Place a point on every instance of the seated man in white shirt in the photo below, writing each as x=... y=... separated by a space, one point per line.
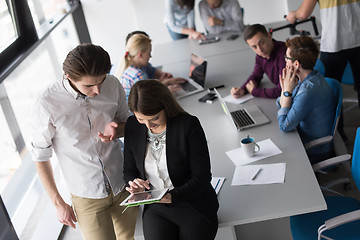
x=80 y=117
x=221 y=16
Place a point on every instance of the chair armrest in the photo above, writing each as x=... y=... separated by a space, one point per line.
x=337 y=221
x=327 y=186
x=330 y=184
x=339 y=145
x=342 y=219
x=318 y=142
x=331 y=162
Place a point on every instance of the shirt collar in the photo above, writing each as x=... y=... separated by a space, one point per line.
x=274 y=51
x=310 y=75
x=70 y=89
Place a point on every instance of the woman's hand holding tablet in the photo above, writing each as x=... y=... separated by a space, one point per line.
x=140 y=196
x=145 y=197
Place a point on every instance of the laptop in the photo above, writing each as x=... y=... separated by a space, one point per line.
x=247 y=117
x=196 y=80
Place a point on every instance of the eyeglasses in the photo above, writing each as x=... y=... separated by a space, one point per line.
x=289 y=58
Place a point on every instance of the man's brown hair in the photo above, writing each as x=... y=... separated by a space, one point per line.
x=304 y=49
x=86 y=60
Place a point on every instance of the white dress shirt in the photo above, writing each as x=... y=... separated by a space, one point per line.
x=68 y=123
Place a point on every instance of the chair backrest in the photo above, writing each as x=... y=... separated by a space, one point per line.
x=355 y=164
x=319 y=66
x=347 y=77
x=337 y=90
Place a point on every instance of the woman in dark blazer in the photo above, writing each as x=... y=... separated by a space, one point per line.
x=165 y=147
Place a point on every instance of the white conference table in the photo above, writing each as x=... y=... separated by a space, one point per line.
x=300 y=193
x=178 y=51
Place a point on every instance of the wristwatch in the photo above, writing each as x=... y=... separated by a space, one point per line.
x=287 y=94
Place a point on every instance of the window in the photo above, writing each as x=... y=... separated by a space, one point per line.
x=7 y=25
x=20 y=89
x=44 y=11
x=11 y=159
x=36 y=35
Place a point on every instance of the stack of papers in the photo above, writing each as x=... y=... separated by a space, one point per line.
x=257 y=174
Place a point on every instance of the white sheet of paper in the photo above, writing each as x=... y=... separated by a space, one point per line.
x=216 y=183
x=239 y=100
x=269 y=174
x=267 y=149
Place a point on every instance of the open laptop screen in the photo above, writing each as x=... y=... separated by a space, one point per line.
x=198 y=69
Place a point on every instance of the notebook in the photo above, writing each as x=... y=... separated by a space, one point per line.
x=196 y=81
x=248 y=117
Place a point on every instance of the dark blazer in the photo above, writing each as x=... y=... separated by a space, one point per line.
x=188 y=161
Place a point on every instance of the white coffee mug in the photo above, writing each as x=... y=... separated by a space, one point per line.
x=249 y=146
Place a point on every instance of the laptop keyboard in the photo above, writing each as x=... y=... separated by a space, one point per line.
x=188 y=87
x=242 y=118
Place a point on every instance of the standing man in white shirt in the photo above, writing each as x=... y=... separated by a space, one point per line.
x=80 y=118
x=221 y=16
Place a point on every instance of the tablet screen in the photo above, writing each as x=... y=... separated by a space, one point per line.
x=144 y=197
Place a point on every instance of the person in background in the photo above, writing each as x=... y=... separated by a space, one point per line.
x=152 y=72
x=165 y=147
x=180 y=19
x=269 y=60
x=79 y=118
x=307 y=102
x=135 y=65
x=340 y=39
x=220 y=16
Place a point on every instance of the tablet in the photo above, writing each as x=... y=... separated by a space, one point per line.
x=146 y=197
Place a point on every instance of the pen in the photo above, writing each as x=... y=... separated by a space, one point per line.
x=256 y=174
x=220 y=86
x=217 y=184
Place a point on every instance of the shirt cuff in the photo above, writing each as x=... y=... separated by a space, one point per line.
x=41 y=154
x=278 y=102
x=258 y=92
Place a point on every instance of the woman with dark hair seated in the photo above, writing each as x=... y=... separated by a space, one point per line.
x=165 y=147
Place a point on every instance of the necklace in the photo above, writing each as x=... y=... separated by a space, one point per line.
x=157 y=142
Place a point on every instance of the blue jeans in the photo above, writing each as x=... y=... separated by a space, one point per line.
x=176 y=36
